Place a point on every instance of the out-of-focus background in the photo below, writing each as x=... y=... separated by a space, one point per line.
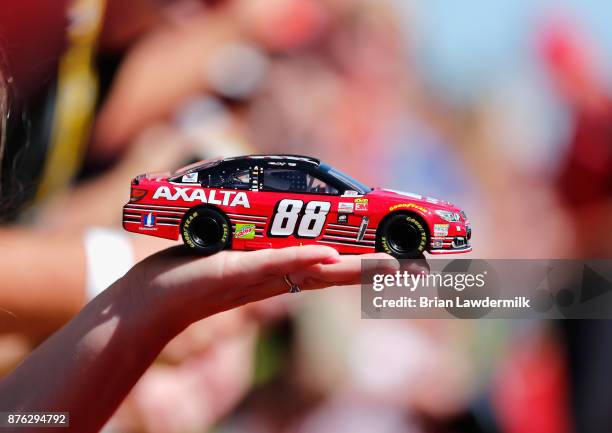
x=500 y=107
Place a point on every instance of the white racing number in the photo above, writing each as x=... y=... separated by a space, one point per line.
x=287 y=213
x=312 y=222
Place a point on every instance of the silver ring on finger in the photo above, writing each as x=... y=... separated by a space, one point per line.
x=293 y=288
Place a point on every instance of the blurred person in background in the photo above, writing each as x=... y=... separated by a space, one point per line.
x=584 y=183
x=348 y=82
x=46 y=149
x=328 y=76
x=125 y=136
x=55 y=125
x=350 y=54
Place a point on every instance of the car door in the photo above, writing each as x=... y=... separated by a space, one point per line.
x=299 y=205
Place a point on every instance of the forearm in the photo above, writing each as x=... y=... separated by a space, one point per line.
x=89 y=366
x=43 y=278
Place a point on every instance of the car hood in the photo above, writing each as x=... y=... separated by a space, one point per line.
x=409 y=197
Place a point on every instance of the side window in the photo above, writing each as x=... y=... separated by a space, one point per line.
x=238 y=180
x=318 y=186
x=284 y=179
x=293 y=180
x=222 y=178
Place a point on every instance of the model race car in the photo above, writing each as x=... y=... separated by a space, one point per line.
x=272 y=201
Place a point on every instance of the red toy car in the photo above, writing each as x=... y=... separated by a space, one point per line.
x=272 y=201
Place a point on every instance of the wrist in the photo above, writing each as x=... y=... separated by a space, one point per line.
x=147 y=315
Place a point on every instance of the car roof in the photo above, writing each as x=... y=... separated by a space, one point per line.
x=267 y=160
x=194 y=166
x=270 y=158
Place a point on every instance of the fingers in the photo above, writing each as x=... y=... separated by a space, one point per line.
x=347 y=270
x=229 y=279
x=311 y=267
x=259 y=266
x=386 y=263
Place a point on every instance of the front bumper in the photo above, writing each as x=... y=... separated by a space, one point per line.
x=453 y=239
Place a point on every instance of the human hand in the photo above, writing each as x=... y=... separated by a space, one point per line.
x=181 y=288
x=150 y=305
x=187 y=288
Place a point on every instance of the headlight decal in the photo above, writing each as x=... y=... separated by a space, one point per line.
x=448 y=216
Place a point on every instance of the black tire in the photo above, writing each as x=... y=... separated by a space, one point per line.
x=206 y=230
x=403 y=236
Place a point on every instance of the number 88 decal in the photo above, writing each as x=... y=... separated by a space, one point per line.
x=288 y=213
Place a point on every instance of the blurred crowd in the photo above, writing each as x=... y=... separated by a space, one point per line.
x=109 y=90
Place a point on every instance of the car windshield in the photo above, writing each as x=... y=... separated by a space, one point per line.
x=346 y=179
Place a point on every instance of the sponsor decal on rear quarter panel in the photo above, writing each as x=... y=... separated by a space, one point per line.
x=222 y=197
x=148 y=221
x=244 y=231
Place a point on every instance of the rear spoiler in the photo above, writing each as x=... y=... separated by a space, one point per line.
x=136 y=180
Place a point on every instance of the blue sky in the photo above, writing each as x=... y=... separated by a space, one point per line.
x=470 y=43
